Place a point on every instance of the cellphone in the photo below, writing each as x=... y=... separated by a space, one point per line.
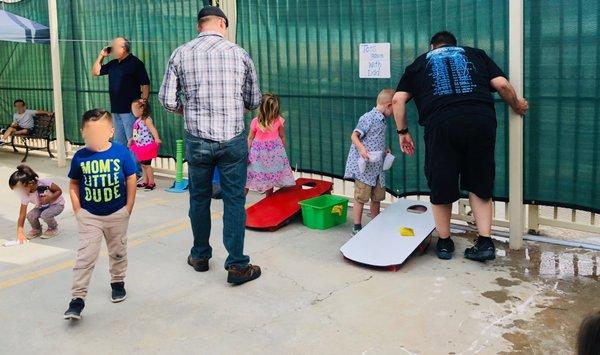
x=41 y=191
x=108 y=49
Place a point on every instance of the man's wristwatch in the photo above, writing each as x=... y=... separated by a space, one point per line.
x=402 y=131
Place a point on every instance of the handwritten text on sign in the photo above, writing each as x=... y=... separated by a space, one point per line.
x=374 y=60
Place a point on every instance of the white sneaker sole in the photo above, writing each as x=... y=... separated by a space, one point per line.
x=71 y=317
x=117 y=300
x=45 y=236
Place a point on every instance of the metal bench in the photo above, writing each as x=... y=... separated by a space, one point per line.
x=43 y=129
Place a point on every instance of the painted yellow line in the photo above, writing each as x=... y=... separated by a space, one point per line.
x=139 y=205
x=69 y=263
x=130 y=237
x=37 y=274
x=163 y=232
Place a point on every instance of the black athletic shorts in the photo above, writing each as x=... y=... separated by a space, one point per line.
x=459 y=155
x=146 y=162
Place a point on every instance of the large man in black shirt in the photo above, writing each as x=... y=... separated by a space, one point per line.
x=452 y=88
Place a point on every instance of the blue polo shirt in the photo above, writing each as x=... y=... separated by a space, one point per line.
x=102 y=178
x=124 y=81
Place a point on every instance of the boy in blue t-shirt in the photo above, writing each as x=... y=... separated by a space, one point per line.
x=102 y=189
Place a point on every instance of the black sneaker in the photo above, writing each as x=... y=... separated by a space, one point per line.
x=483 y=250
x=200 y=265
x=238 y=276
x=444 y=248
x=75 y=307
x=118 y=292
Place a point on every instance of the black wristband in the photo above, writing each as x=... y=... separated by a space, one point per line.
x=402 y=131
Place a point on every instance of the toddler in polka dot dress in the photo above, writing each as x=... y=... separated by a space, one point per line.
x=145 y=142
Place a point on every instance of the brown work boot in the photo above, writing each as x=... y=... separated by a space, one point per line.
x=199 y=265
x=238 y=276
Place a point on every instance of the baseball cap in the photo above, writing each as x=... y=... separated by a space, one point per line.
x=213 y=11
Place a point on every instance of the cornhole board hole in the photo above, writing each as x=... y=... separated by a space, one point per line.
x=273 y=212
x=389 y=239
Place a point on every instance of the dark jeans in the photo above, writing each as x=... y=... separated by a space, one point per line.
x=231 y=158
x=123 y=125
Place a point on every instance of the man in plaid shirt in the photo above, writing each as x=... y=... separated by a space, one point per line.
x=217 y=80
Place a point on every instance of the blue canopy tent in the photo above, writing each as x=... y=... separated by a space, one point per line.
x=15 y=28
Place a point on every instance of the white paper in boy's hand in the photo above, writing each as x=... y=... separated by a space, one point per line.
x=373 y=157
x=362 y=165
x=388 y=161
x=11 y=243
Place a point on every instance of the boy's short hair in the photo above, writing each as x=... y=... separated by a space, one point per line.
x=443 y=37
x=95 y=114
x=588 y=337
x=18 y=100
x=385 y=96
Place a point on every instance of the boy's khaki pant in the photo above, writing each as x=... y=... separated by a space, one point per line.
x=363 y=192
x=91 y=230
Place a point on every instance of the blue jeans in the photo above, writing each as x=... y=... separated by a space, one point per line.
x=123 y=124
x=231 y=158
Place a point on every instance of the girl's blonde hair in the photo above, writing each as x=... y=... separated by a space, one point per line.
x=268 y=111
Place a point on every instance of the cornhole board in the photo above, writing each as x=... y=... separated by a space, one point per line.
x=380 y=242
x=272 y=212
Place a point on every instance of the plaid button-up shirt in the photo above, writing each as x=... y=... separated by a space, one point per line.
x=217 y=80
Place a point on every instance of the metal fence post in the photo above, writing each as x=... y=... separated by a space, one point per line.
x=56 y=84
x=515 y=185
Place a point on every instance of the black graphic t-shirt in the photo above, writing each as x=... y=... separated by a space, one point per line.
x=451 y=81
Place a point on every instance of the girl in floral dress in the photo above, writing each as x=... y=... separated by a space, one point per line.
x=268 y=165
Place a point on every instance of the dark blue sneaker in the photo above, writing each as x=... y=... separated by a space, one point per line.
x=75 y=307
x=118 y=292
x=444 y=248
x=483 y=250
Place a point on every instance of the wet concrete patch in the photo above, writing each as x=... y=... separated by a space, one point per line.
x=520 y=342
x=498 y=296
x=568 y=289
x=506 y=282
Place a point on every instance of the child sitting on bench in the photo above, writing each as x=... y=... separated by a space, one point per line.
x=22 y=121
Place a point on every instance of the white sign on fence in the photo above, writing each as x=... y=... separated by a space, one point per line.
x=374 y=60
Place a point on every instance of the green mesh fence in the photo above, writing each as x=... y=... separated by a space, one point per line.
x=155 y=29
x=307 y=52
x=562 y=82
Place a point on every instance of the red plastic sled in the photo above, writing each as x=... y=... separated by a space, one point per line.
x=273 y=212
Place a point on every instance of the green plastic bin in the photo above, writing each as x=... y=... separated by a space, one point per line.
x=324 y=211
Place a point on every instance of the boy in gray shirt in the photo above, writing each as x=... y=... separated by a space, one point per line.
x=22 y=121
